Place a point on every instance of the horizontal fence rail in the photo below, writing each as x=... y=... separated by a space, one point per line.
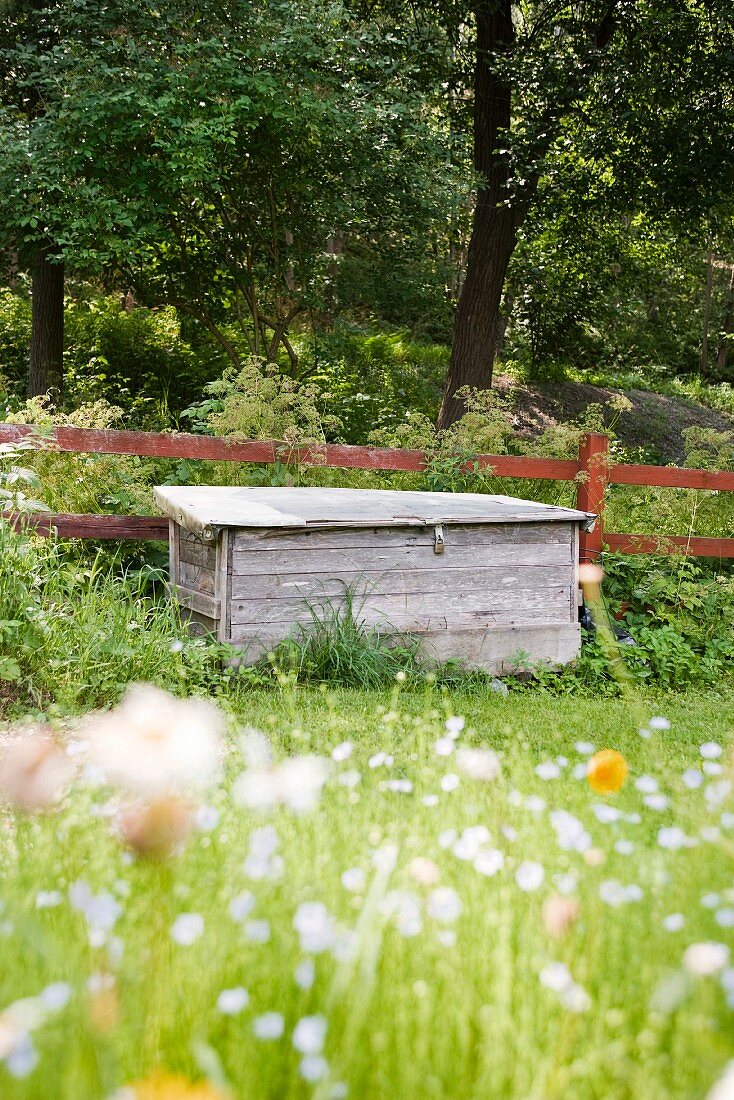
x=593 y=472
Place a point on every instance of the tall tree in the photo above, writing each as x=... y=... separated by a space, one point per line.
x=28 y=32
x=641 y=88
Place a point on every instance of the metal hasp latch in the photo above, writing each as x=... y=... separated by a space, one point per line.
x=438 y=539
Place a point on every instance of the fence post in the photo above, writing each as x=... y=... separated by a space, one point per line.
x=594 y=463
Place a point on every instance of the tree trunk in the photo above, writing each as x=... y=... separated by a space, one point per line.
x=494 y=228
x=45 y=369
x=727 y=325
x=708 y=293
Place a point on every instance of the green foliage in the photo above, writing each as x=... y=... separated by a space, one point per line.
x=372 y=380
x=337 y=647
x=680 y=613
x=74 y=630
x=84 y=483
x=139 y=355
x=259 y=402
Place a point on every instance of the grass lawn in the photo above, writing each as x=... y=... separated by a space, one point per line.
x=436 y=934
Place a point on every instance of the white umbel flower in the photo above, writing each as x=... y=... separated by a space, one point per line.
x=153 y=743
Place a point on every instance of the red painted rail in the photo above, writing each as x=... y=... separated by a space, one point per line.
x=593 y=472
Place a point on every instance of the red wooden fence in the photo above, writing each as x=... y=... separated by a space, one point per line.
x=593 y=472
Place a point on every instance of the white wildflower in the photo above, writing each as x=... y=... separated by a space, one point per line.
x=270 y=1025
x=342 y=752
x=153 y=742
x=305 y=974
x=489 y=862
x=482 y=764
x=674 y=837
x=315 y=926
x=704 y=960
x=529 y=876
x=309 y=1034
x=187 y=928
x=295 y=783
x=242 y=905
x=313 y=1067
x=231 y=1001
x=723 y=1089
x=547 y=770
x=354 y=879
x=257 y=931
x=444 y=905
x=48 y=899
x=710 y=750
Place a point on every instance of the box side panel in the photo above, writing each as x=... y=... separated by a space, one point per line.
x=193 y=574
x=488 y=577
x=223 y=584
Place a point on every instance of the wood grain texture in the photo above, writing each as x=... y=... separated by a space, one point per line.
x=471 y=535
x=671 y=476
x=495 y=650
x=223 y=587
x=196 y=577
x=420 y=611
x=200 y=602
x=69 y=525
x=195 y=551
x=383 y=559
x=440 y=581
x=205 y=510
x=209 y=448
x=670 y=544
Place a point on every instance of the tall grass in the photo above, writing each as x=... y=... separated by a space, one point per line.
x=432 y=977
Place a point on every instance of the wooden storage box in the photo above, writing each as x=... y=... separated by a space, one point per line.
x=473 y=577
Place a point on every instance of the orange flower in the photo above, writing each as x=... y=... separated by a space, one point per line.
x=171 y=1086
x=607 y=771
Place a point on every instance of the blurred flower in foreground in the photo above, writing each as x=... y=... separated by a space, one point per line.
x=33 y=771
x=296 y=783
x=704 y=960
x=478 y=763
x=171 y=1086
x=18 y=1021
x=157 y=830
x=607 y=771
x=724 y=1087
x=153 y=743
x=559 y=915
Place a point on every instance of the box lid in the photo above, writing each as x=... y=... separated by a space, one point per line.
x=205 y=510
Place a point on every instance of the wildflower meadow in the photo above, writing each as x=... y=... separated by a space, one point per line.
x=395 y=893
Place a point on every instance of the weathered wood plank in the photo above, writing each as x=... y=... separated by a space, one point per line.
x=419 y=610
x=385 y=558
x=496 y=534
x=68 y=525
x=223 y=587
x=398 y=581
x=670 y=544
x=196 y=577
x=173 y=552
x=494 y=650
x=197 y=552
x=199 y=624
x=182 y=445
x=200 y=602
